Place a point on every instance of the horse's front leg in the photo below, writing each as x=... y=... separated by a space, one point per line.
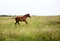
x=26 y=22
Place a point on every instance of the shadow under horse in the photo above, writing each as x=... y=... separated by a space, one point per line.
x=22 y=18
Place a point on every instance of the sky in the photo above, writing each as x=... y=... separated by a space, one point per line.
x=34 y=7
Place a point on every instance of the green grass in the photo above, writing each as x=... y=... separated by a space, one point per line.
x=39 y=28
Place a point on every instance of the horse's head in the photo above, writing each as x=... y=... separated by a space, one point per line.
x=28 y=15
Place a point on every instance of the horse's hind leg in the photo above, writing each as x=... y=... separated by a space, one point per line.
x=18 y=23
x=15 y=23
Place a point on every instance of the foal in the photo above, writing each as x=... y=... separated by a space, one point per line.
x=22 y=18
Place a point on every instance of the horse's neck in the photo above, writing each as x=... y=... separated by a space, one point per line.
x=25 y=16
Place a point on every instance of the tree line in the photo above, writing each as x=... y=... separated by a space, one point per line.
x=7 y=15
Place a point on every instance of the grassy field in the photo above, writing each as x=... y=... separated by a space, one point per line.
x=39 y=28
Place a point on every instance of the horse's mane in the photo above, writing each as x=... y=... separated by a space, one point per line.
x=26 y=15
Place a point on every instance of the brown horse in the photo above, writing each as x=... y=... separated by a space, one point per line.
x=22 y=18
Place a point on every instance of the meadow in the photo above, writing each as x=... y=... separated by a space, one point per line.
x=39 y=28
